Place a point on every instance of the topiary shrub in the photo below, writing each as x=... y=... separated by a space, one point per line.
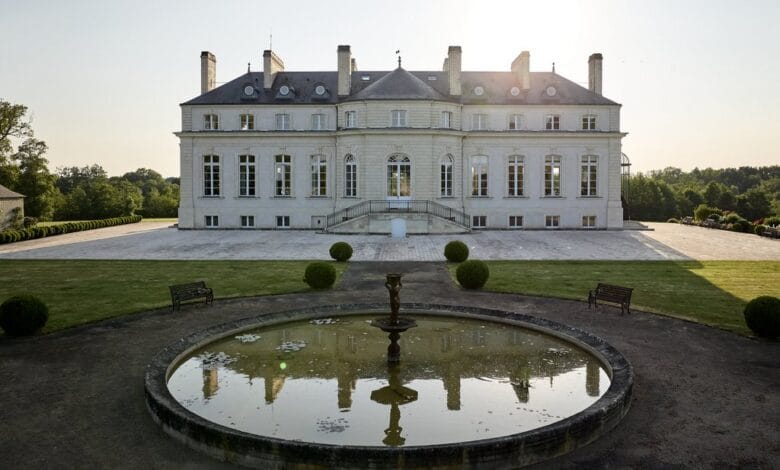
x=320 y=275
x=703 y=212
x=758 y=230
x=762 y=315
x=472 y=274
x=341 y=251
x=456 y=251
x=672 y=221
x=23 y=315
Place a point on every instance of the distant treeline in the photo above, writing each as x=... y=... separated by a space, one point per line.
x=751 y=192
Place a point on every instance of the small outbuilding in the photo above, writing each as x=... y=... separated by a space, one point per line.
x=11 y=207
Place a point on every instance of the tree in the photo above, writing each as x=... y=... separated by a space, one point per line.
x=34 y=180
x=754 y=204
x=69 y=178
x=712 y=194
x=12 y=125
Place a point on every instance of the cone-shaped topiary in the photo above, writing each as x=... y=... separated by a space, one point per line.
x=456 y=251
x=23 y=315
x=320 y=275
x=472 y=274
x=762 y=315
x=341 y=251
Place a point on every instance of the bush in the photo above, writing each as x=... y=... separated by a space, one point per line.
x=341 y=251
x=456 y=251
x=472 y=274
x=742 y=225
x=28 y=222
x=762 y=315
x=10 y=236
x=672 y=221
x=731 y=218
x=320 y=275
x=773 y=221
x=23 y=315
x=759 y=229
x=703 y=212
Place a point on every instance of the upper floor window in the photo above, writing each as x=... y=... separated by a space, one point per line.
x=589 y=122
x=283 y=122
x=350 y=119
x=446 y=120
x=318 y=122
x=479 y=175
x=398 y=118
x=210 y=122
x=446 y=177
x=246 y=175
x=479 y=122
x=283 y=171
x=514 y=173
x=552 y=175
x=211 y=179
x=350 y=176
x=588 y=175
x=515 y=122
x=552 y=122
x=247 y=122
x=319 y=175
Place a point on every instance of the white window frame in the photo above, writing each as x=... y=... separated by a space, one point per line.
x=589 y=175
x=319 y=176
x=211 y=122
x=480 y=174
x=212 y=186
x=350 y=119
x=247 y=221
x=515 y=173
x=553 y=171
x=552 y=122
x=283 y=175
x=247 y=176
x=478 y=221
x=319 y=122
x=350 y=176
x=515 y=122
x=282 y=221
x=283 y=122
x=398 y=118
x=515 y=221
x=247 y=122
x=588 y=122
x=446 y=120
x=589 y=221
x=479 y=122
x=552 y=221
x=446 y=171
x=211 y=221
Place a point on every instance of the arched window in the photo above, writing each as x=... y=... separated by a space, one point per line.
x=399 y=176
x=350 y=176
x=445 y=181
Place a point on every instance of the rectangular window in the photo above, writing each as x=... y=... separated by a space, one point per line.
x=515 y=221
x=318 y=122
x=514 y=171
x=478 y=221
x=479 y=122
x=211 y=122
x=247 y=221
x=552 y=175
x=552 y=221
x=446 y=177
x=446 y=120
x=211 y=184
x=350 y=176
x=398 y=118
x=515 y=122
x=552 y=122
x=212 y=221
x=319 y=176
x=283 y=122
x=283 y=171
x=282 y=221
x=247 y=122
x=589 y=221
x=350 y=119
x=479 y=176
x=246 y=175
x=589 y=122
x=588 y=175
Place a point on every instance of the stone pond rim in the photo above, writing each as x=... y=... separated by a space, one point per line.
x=513 y=450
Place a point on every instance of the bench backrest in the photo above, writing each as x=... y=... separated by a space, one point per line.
x=192 y=286
x=613 y=290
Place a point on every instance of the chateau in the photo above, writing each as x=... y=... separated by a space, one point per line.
x=411 y=151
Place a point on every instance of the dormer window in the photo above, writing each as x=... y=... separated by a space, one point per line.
x=210 y=122
x=552 y=122
x=319 y=90
x=283 y=122
x=284 y=90
x=589 y=122
x=398 y=118
x=365 y=78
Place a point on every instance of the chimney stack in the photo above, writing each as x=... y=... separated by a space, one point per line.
x=345 y=70
x=594 y=72
x=521 y=67
x=353 y=65
x=272 y=64
x=452 y=63
x=208 y=72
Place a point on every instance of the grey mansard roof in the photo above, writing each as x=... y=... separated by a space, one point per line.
x=400 y=84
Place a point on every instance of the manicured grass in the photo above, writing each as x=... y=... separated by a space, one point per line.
x=83 y=291
x=709 y=292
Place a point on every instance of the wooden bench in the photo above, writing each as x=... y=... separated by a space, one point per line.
x=193 y=290
x=611 y=293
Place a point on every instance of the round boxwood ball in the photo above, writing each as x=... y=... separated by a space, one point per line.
x=456 y=251
x=762 y=315
x=23 y=315
x=341 y=251
x=320 y=275
x=472 y=274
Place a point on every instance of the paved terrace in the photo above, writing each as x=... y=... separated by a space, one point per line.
x=154 y=240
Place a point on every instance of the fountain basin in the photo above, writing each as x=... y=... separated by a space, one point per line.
x=514 y=449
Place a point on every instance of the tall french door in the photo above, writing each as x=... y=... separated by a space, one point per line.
x=399 y=178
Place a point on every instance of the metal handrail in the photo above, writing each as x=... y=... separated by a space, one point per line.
x=378 y=206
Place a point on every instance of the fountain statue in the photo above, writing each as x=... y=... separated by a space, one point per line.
x=394 y=325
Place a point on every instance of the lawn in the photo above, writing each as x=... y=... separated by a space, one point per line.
x=83 y=291
x=709 y=292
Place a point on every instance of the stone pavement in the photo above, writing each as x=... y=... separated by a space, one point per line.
x=154 y=240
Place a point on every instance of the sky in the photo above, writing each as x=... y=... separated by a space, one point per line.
x=699 y=81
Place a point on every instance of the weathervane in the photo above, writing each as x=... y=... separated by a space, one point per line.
x=398 y=53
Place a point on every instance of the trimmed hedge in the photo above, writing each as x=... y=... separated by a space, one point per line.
x=341 y=251
x=23 y=315
x=762 y=315
x=11 y=236
x=319 y=275
x=472 y=274
x=456 y=251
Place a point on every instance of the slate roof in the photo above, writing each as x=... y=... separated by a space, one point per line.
x=6 y=193
x=400 y=84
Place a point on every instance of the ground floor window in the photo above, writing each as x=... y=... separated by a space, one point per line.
x=552 y=221
x=479 y=221
x=589 y=221
x=515 y=221
x=212 y=221
x=247 y=221
x=282 y=221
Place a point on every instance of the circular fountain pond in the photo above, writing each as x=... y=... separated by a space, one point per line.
x=473 y=386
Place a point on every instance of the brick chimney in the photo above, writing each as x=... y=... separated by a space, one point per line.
x=521 y=68
x=208 y=72
x=452 y=64
x=345 y=70
x=272 y=64
x=594 y=73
